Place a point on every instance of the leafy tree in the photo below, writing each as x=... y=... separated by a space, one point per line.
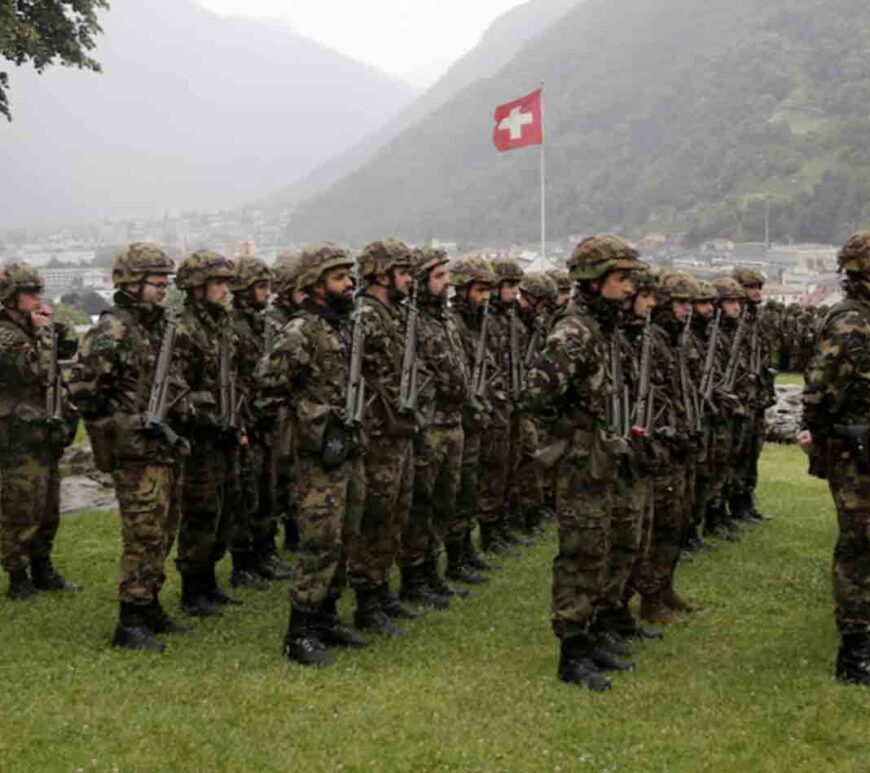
x=45 y=32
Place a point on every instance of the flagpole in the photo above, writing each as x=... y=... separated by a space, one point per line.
x=543 y=179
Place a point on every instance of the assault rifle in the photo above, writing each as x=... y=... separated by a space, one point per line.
x=158 y=401
x=229 y=402
x=479 y=378
x=534 y=345
x=644 y=411
x=408 y=386
x=705 y=388
x=734 y=355
x=53 y=407
x=619 y=419
x=516 y=362
x=690 y=396
x=355 y=399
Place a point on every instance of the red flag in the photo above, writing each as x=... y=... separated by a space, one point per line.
x=519 y=124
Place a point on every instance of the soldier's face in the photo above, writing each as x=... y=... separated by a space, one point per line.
x=262 y=291
x=154 y=289
x=439 y=280
x=402 y=279
x=29 y=301
x=617 y=287
x=644 y=303
x=508 y=291
x=731 y=308
x=704 y=309
x=339 y=282
x=682 y=310
x=478 y=295
x=754 y=293
x=562 y=298
x=216 y=291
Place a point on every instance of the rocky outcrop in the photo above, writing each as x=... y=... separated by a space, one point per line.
x=82 y=486
x=784 y=418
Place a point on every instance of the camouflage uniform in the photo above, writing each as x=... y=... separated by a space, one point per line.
x=569 y=387
x=836 y=408
x=210 y=493
x=110 y=383
x=31 y=441
x=434 y=518
x=389 y=461
x=307 y=373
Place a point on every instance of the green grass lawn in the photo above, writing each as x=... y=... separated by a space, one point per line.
x=746 y=685
x=790 y=379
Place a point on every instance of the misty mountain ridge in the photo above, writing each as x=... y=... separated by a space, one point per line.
x=192 y=111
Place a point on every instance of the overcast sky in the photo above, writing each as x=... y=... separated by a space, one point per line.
x=416 y=40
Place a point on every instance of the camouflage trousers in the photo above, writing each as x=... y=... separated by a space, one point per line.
x=148 y=496
x=434 y=518
x=671 y=513
x=583 y=512
x=253 y=522
x=851 y=570
x=714 y=479
x=330 y=506
x=749 y=443
x=526 y=478
x=389 y=471
x=283 y=472
x=466 y=497
x=630 y=527
x=493 y=476
x=29 y=510
x=209 y=496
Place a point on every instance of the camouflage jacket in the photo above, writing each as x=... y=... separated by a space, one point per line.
x=277 y=317
x=111 y=379
x=757 y=377
x=383 y=330
x=467 y=323
x=200 y=331
x=307 y=372
x=667 y=332
x=25 y=358
x=837 y=380
x=249 y=326
x=443 y=366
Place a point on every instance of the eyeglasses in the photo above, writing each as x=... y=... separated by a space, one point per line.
x=158 y=285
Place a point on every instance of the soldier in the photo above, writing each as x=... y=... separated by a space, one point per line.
x=760 y=394
x=563 y=286
x=285 y=302
x=33 y=432
x=208 y=345
x=569 y=387
x=384 y=268
x=835 y=433
x=255 y=558
x=308 y=373
x=472 y=280
x=110 y=383
x=434 y=519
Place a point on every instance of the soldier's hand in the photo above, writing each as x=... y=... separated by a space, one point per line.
x=41 y=317
x=805 y=440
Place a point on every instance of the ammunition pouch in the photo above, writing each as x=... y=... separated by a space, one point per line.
x=102 y=435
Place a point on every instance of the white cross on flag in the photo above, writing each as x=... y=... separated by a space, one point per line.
x=519 y=124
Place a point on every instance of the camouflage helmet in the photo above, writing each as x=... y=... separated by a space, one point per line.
x=316 y=259
x=854 y=257
x=562 y=279
x=748 y=277
x=596 y=256
x=249 y=271
x=427 y=258
x=646 y=281
x=383 y=256
x=15 y=277
x=507 y=270
x=286 y=272
x=729 y=289
x=706 y=292
x=197 y=268
x=465 y=271
x=539 y=286
x=677 y=286
x=138 y=260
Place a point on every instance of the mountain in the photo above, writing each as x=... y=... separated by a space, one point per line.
x=192 y=111
x=671 y=116
x=497 y=47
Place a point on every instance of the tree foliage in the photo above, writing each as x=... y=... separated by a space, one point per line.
x=45 y=32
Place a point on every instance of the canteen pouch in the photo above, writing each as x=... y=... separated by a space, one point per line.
x=102 y=435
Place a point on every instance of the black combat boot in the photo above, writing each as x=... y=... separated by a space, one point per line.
x=332 y=632
x=46 y=577
x=194 y=598
x=370 y=616
x=714 y=524
x=737 y=507
x=458 y=570
x=623 y=623
x=213 y=591
x=473 y=558
x=291 y=535
x=267 y=563
x=133 y=631
x=510 y=534
x=853 y=659
x=246 y=572
x=393 y=607
x=532 y=526
x=416 y=590
x=492 y=542
x=577 y=667
x=21 y=587
x=302 y=643
x=754 y=515
x=160 y=622
x=437 y=582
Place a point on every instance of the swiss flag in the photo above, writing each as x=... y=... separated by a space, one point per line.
x=519 y=124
